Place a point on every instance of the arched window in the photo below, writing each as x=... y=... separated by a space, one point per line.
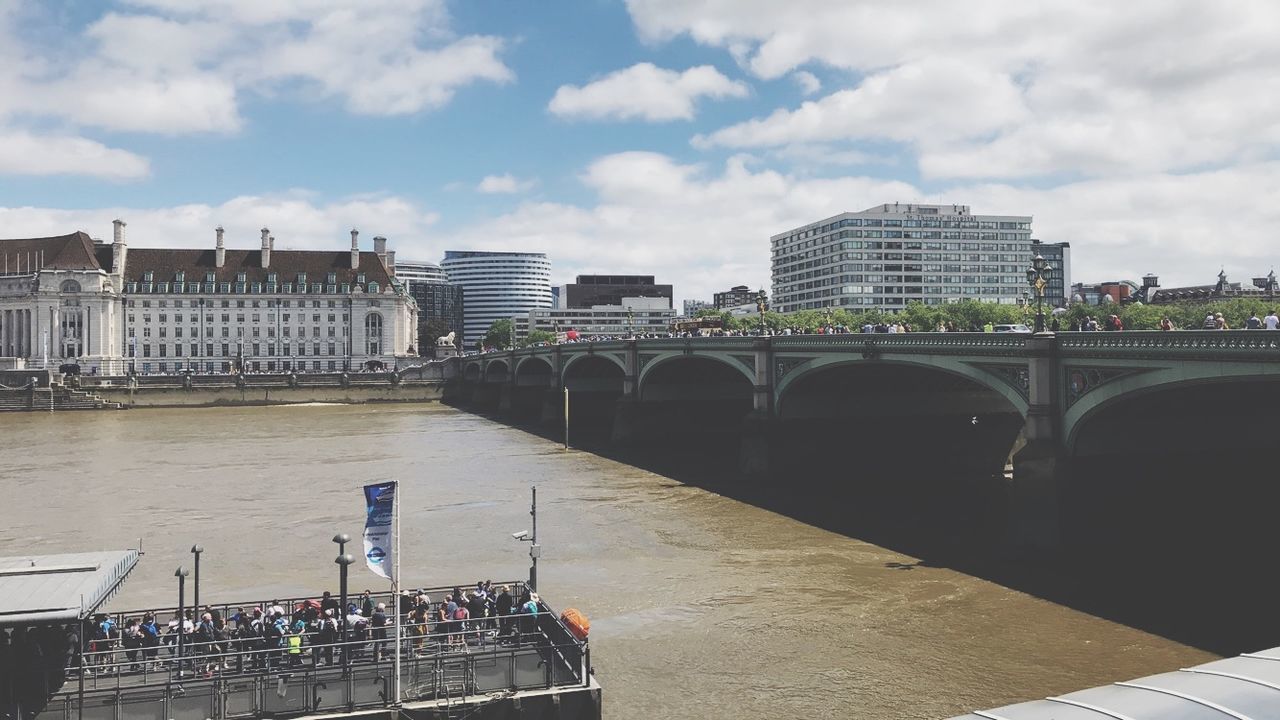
x=373 y=333
x=70 y=286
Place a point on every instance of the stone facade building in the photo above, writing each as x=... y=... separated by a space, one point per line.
x=114 y=310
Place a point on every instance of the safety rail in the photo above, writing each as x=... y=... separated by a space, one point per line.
x=245 y=677
x=1174 y=344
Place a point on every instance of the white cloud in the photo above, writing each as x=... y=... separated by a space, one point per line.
x=706 y=229
x=22 y=153
x=295 y=219
x=1005 y=90
x=174 y=67
x=644 y=91
x=892 y=105
x=506 y=183
x=808 y=82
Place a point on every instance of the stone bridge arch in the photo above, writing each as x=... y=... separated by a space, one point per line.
x=496 y=371
x=471 y=372
x=585 y=366
x=1009 y=379
x=533 y=370
x=662 y=364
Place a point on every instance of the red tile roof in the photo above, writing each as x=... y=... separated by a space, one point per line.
x=286 y=264
x=63 y=252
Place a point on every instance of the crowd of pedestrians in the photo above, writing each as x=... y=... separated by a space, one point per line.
x=215 y=639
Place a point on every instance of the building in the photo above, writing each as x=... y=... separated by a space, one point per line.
x=691 y=307
x=440 y=304
x=498 y=285
x=591 y=290
x=154 y=310
x=733 y=297
x=1262 y=288
x=892 y=254
x=1058 y=255
x=632 y=316
x=1111 y=291
x=60 y=299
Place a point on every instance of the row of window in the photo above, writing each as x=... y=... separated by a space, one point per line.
x=226 y=317
x=240 y=288
x=233 y=349
x=226 y=332
x=225 y=367
x=238 y=303
x=952 y=221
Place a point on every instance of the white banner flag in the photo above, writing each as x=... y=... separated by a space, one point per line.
x=378 y=543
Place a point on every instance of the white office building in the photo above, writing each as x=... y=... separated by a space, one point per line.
x=893 y=254
x=635 y=316
x=413 y=271
x=498 y=285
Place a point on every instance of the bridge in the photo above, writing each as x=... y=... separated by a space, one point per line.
x=1109 y=413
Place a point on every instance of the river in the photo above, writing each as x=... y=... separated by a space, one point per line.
x=701 y=606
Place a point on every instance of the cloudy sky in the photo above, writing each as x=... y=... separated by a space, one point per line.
x=670 y=137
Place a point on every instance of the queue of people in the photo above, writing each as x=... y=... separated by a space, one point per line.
x=310 y=633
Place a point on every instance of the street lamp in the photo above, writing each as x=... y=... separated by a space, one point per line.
x=535 y=550
x=631 y=326
x=195 y=592
x=240 y=355
x=1037 y=276
x=181 y=574
x=343 y=561
x=762 y=305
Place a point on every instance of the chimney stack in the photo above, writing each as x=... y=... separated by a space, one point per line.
x=119 y=251
x=380 y=246
x=391 y=262
x=266 y=248
x=219 y=251
x=355 y=249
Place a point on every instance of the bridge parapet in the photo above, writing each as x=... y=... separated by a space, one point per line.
x=1179 y=344
x=932 y=343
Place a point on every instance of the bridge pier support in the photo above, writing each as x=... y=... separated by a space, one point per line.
x=1040 y=466
x=755 y=459
x=1040 y=471
x=552 y=412
x=627 y=430
x=505 y=398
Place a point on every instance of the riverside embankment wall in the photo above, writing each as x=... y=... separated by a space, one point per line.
x=154 y=396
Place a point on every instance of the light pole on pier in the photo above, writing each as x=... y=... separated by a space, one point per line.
x=195 y=591
x=535 y=550
x=762 y=306
x=181 y=574
x=343 y=561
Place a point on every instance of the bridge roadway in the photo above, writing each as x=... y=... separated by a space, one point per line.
x=1066 y=397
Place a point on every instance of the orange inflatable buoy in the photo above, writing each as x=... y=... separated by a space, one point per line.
x=576 y=622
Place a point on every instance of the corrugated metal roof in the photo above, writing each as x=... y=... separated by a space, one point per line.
x=42 y=589
x=1245 y=687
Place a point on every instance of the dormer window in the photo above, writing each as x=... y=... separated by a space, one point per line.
x=148 y=276
x=271 y=277
x=240 y=277
x=333 y=278
x=373 y=287
x=302 y=279
x=360 y=279
x=208 y=277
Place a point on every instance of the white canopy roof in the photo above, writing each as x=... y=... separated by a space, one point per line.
x=56 y=589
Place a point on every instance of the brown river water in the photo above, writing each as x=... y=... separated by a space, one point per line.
x=701 y=606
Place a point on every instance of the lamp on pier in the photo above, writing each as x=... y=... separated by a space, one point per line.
x=1037 y=278
x=344 y=561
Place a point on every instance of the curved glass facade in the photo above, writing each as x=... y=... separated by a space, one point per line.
x=498 y=285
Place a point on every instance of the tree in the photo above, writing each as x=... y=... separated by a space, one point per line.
x=499 y=336
x=538 y=336
x=428 y=332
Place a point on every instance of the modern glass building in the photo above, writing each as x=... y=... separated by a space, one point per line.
x=892 y=254
x=498 y=285
x=440 y=303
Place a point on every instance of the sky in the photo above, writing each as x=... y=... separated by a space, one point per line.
x=664 y=137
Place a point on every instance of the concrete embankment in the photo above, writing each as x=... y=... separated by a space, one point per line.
x=160 y=396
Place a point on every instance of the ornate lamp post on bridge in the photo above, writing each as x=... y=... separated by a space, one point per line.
x=762 y=306
x=1037 y=278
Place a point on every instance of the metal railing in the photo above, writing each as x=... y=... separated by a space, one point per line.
x=244 y=677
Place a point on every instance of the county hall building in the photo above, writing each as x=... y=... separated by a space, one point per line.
x=113 y=310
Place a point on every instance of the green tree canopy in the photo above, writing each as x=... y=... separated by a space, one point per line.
x=499 y=335
x=538 y=336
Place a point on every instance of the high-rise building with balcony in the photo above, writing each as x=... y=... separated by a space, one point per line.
x=498 y=285
x=892 y=254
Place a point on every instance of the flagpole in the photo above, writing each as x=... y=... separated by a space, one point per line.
x=395 y=592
